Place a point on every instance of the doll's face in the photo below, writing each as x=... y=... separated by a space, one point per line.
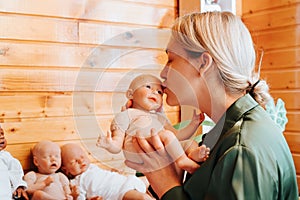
x=47 y=158
x=3 y=141
x=148 y=96
x=75 y=160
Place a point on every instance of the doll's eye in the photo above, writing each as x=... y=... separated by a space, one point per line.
x=148 y=86
x=160 y=92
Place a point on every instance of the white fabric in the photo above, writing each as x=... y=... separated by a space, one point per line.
x=109 y=185
x=11 y=175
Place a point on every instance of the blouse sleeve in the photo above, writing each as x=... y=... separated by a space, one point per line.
x=175 y=193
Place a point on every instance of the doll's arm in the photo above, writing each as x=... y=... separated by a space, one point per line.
x=186 y=132
x=113 y=141
x=34 y=184
x=66 y=185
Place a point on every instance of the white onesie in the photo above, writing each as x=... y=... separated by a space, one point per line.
x=11 y=175
x=109 y=185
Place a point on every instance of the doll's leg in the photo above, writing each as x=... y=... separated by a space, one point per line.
x=177 y=153
x=199 y=154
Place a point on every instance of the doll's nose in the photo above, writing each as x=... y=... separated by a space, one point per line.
x=155 y=92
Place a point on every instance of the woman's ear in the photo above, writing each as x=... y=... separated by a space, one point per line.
x=129 y=94
x=205 y=62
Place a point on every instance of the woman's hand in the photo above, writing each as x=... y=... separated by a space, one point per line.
x=157 y=165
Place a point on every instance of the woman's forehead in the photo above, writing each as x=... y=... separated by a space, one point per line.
x=174 y=48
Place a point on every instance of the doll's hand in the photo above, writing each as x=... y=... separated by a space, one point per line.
x=74 y=191
x=20 y=193
x=95 y=198
x=127 y=105
x=198 y=118
x=104 y=141
x=48 y=180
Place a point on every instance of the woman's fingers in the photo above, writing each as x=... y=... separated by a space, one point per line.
x=143 y=144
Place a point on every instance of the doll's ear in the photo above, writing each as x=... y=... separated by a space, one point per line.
x=64 y=169
x=129 y=94
x=35 y=162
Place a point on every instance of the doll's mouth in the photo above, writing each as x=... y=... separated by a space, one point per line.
x=152 y=99
x=54 y=165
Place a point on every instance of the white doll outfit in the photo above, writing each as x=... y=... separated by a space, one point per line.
x=11 y=175
x=109 y=185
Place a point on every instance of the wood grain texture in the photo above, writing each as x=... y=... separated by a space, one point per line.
x=64 y=67
x=249 y=6
x=128 y=12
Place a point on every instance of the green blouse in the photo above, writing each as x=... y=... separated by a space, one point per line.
x=249 y=159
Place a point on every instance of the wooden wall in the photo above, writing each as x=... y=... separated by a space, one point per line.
x=64 y=67
x=275 y=26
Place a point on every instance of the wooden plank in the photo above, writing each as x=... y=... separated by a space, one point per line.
x=293 y=121
x=64 y=30
x=38 y=29
x=188 y=6
x=250 y=6
x=281 y=58
x=69 y=55
x=43 y=54
x=282 y=79
x=270 y=19
x=94 y=10
x=290 y=97
x=298 y=180
x=61 y=128
x=35 y=105
x=293 y=140
x=123 y=35
x=90 y=80
x=171 y=3
x=297 y=162
x=276 y=39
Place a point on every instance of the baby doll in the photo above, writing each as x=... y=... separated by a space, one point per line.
x=47 y=183
x=11 y=174
x=146 y=95
x=92 y=182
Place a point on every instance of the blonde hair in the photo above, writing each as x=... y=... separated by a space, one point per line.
x=225 y=37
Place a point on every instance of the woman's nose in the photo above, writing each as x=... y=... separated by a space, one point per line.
x=163 y=73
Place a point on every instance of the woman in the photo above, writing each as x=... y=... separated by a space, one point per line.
x=211 y=66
